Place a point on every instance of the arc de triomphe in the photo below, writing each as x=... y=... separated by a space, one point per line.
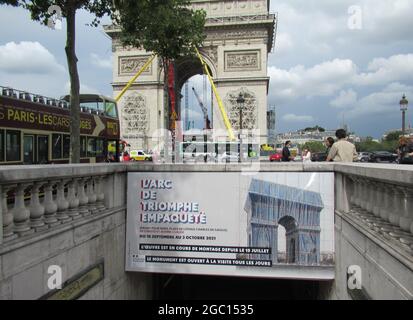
x=240 y=35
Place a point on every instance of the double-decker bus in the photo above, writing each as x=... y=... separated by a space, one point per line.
x=36 y=130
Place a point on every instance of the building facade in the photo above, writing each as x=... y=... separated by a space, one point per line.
x=240 y=34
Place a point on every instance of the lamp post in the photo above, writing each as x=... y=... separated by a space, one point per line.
x=403 y=108
x=240 y=103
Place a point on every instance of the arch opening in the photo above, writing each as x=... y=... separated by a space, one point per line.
x=291 y=238
x=195 y=93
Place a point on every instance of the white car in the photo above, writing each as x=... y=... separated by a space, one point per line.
x=228 y=157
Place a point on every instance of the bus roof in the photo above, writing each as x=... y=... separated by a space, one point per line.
x=85 y=97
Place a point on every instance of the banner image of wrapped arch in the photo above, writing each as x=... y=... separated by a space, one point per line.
x=269 y=205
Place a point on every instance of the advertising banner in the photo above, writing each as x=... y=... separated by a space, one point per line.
x=278 y=225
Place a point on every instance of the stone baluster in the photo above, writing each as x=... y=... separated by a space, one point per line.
x=387 y=204
x=359 y=190
x=91 y=194
x=83 y=199
x=100 y=194
x=62 y=203
x=50 y=205
x=378 y=200
x=353 y=196
x=21 y=215
x=363 y=193
x=8 y=232
x=371 y=190
x=396 y=210
x=36 y=209
x=73 y=200
x=406 y=206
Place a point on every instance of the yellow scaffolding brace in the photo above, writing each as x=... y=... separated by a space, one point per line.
x=205 y=66
x=131 y=81
x=220 y=104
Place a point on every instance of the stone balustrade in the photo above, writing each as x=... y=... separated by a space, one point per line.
x=74 y=215
x=380 y=198
x=37 y=198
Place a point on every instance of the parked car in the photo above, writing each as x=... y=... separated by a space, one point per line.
x=363 y=156
x=276 y=157
x=318 y=156
x=228 y=156
x=140 y=155
x=383 y=156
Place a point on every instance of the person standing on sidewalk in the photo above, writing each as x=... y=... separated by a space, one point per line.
x=342 y=150
x=286 y=154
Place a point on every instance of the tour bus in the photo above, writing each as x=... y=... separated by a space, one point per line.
x=36 y=130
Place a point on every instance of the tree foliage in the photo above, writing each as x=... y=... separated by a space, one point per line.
x=393 y=136
x=313 y=146
x=166 y=27
x=315 y=128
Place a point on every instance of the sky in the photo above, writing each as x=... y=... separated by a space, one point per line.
x=334 y=62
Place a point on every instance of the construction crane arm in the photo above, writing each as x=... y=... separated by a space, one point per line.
x=220 y=104
x=203 y=108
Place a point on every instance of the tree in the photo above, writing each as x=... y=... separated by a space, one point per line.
x=166 y=27
x=316 y=128
x=313 y=146
x=393 y=136
x=39 y=10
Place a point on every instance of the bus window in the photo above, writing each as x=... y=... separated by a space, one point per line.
x=89 y=105
x=99 y=147
x=1 y=145
x=110 y=109
x=101 y=106
x=83 y=147
x=66 y=146
x=56 y=146
x=13 y=145
x=91 y=147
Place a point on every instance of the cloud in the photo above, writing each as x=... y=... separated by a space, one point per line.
x=384 y=102
x=28 y=57
x=323 y=79
x=101 y=62
x=83 y=88
x=297 y=118
x=382 y=70
x=345 y=99
x=284 y=43
x=195 y=116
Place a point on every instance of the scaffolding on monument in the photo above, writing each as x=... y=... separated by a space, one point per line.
x=207 y=73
